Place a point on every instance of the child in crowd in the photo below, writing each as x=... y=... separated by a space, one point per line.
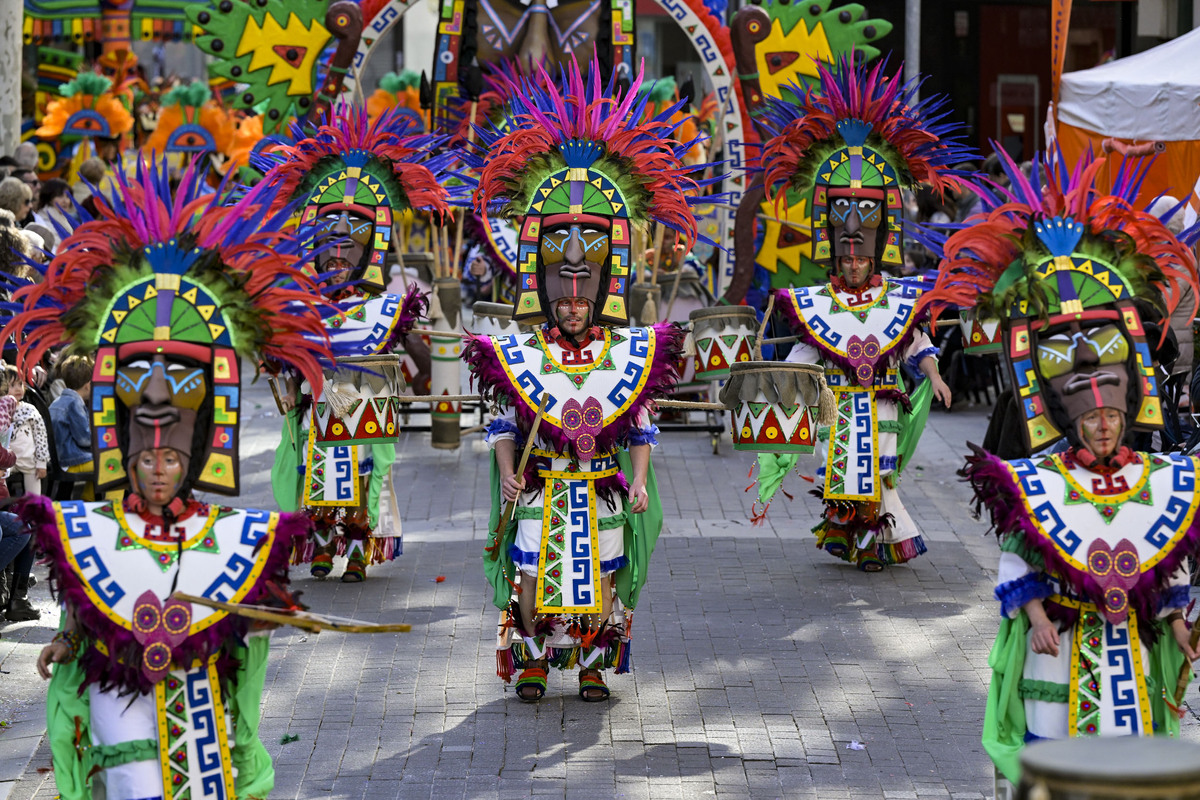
x=69 y=416
x=28 y=441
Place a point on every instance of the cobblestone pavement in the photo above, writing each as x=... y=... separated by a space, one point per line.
x=758 y=660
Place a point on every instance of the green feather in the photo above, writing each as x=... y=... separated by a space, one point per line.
x=86 y=83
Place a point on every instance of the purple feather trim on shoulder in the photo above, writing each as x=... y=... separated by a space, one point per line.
x=489 y=377
x=413 y=308
x=997 y=489
x=112 y=671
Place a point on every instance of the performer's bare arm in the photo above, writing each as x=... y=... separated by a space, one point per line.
x=940 y=390
x=1045 y=632
x=511 y=484
x=639 y=454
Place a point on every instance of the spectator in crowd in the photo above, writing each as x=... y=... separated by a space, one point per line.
x=93 y=173
x=30 y=450
x=29 y=178
x=56 y=208
x=932 y=209
x=7 y=165
x=28 y=441
x=69 y=418
x=17 y=198
x=26 y=155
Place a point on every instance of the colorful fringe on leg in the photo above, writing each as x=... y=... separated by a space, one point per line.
x=835 y=537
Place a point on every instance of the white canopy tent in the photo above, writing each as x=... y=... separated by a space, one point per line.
x=1153 y=95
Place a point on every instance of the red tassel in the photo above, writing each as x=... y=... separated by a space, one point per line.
x=505 y=665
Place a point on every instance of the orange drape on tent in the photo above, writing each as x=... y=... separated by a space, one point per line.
x=1173 y=172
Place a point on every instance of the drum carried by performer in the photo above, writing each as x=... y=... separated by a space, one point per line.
x=577 y=516
x=858 y=138
x=355 y=178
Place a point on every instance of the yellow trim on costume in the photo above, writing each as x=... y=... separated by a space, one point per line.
x=583 y=368
x=578 y=476
x=884 y=347
x=537 y=451
x=164 y=739
x=1108 y=500
x=308 y=468
x=1139 y=669
x=166 y=547
x=382 y=341
x=885 y=287
x=214 y=682
x=648 y=364
x=594 y=535
x=1073 y=678
x=1149 y=563
x=874 y=498
x=263 y=552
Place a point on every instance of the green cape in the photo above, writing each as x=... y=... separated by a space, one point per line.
x=66 y=705
x=641 y=534
x=1004 y=715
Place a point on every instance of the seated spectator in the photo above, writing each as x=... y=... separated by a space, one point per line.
x=69 y=418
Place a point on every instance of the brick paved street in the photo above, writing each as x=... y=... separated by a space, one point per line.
x=757 y=659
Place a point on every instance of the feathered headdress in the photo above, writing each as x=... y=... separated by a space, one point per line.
x=87 y=108
x=189 y=122
x=1051 y=248
x=165 y=270
x=859 y=126
x=1007 y=260
x=566 y=147
x=354 y=162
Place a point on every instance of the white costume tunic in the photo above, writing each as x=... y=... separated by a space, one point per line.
x=861 y=339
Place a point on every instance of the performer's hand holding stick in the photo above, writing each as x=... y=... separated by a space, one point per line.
x=511 y=507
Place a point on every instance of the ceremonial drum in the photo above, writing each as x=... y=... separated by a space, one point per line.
x=724 y=335
x=1110 y=768
x=775 y=405
x=980 y=335
x=359 y=403
x=493 y=319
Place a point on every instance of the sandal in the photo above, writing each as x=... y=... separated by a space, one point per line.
x=871 y=563
x=835 y=544
x=531 y=684
x=322 y=565
x=356 y=572
x=592 y=688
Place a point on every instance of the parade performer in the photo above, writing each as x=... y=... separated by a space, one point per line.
x=854 y=142
x=578 y=170
x=1095 y=538
x=353 y=178
x=171 y=292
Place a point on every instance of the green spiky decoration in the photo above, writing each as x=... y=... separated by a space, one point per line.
x=272 y=49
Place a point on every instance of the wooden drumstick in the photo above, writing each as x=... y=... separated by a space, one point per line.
x=1185 y=671
x=511 y=507
x=763 y=328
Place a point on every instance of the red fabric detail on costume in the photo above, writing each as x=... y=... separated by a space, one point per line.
x=839 y=284
x=592 y=334
x=179 y=508
x=1082 y=457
